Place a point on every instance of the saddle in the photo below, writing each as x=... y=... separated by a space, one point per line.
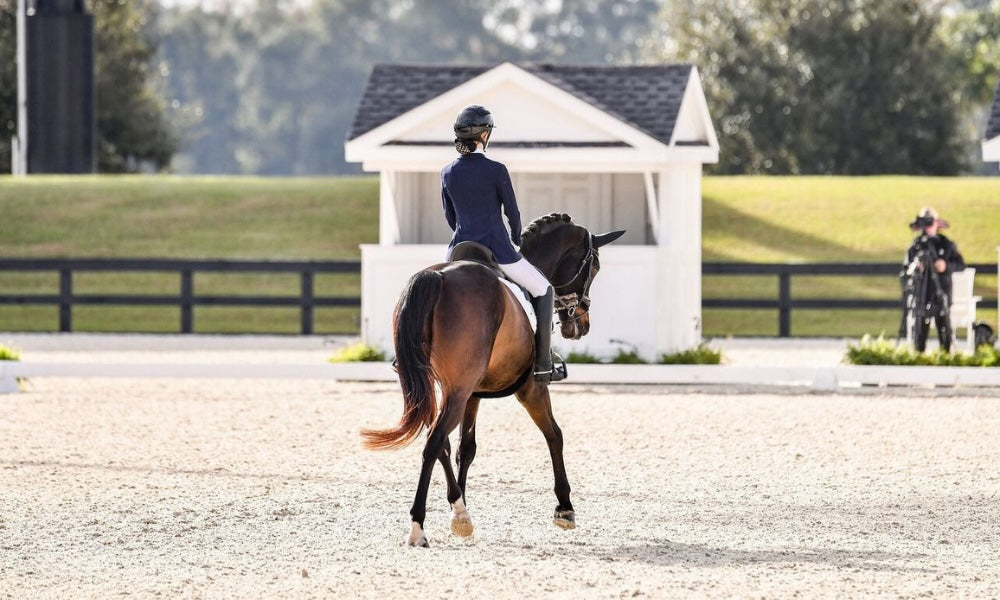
x=476 y=252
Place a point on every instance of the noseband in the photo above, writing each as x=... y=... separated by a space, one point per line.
x=570 y=301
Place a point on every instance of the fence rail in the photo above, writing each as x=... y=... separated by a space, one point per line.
x=784 y=303
x=186 y=298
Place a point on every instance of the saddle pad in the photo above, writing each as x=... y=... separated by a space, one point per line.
x=522 y=297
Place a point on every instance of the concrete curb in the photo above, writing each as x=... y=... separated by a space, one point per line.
x=822 y=378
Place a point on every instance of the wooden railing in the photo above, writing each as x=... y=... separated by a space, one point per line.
x=784 y=303
x=306 y=300
x=186 y=298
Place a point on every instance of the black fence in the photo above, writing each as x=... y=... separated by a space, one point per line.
x=784 y=303
x=186 y=298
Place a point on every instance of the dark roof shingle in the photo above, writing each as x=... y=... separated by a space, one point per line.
x=993 y=125
x=646 y=97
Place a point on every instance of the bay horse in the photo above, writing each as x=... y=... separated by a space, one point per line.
x=457 y=325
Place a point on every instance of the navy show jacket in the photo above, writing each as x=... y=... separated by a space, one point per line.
x=474 y=189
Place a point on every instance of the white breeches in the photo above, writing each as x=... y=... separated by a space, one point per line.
x=527 y=276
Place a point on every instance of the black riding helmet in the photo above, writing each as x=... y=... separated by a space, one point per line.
x=472 y=121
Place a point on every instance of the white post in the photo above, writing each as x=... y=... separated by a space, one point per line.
x=388 y=217
x=19 y=164
x=679 y=313
x=651 y=206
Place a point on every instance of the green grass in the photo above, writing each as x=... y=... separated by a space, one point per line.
x=835 y=219
x=751 y=219
x=188 y=217
x=185 y=217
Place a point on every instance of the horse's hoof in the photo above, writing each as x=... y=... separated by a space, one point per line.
x=565 y=519
x=461 y=522
x=417 y=538
x=462 y=526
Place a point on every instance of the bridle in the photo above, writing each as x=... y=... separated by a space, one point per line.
x=570 y=301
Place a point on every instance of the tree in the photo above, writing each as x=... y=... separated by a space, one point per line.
x=822 y=86
x=580 y=31
x=132 y=132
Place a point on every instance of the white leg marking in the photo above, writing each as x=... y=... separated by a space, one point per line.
x=417 y=537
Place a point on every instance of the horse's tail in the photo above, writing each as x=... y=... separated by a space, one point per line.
x=412 y=339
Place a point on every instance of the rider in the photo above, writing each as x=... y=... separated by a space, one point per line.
x=474 y=189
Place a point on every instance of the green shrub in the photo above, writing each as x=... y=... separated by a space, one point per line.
x=880 y=351
x=9 y=353
x=582 y=357
x=699 y=355
x=359 y=352
x=626 y=357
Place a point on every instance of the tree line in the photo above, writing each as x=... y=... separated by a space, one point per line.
x=793 y=86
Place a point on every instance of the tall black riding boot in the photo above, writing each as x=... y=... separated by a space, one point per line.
x=544 y=309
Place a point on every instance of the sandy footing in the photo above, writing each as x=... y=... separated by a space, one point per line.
x=237 y=489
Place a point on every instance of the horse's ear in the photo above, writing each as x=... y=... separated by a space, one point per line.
x=606 y=238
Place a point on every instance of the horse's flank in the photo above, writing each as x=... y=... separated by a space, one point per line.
x=457 y=324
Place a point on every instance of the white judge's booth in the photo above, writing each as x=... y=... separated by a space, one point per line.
x=613 y=147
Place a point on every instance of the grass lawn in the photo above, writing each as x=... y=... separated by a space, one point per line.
x=752 y=219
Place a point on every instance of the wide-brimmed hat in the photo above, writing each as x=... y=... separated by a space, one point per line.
x=927 y=217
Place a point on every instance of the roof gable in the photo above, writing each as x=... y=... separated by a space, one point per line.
x=647 y=98
x=993 y=124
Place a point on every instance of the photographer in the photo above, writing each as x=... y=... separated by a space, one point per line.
x=927 y=269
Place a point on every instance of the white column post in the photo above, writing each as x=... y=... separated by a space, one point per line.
x=680 y=257
x=19 y=164
x=652 y=208
x=388 y=217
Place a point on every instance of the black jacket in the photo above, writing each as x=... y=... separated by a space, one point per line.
x=938 y=246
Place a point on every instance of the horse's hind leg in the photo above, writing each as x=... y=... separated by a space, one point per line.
x=461 y=523
x=467 y=445
x=437 y=440
x=535 y=399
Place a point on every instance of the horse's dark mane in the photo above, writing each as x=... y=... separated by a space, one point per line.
x=543 y=225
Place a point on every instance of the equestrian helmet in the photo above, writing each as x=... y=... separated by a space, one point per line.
x=472 y=121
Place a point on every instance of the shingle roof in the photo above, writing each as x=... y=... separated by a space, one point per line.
x=993 y=125
x=646 y=97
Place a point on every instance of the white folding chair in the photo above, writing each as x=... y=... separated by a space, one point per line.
x=963 y=305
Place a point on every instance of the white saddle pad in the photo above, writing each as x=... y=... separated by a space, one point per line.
x=529 y=310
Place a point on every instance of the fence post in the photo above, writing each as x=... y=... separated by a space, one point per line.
x=306 y=302
x=784 y=304
x=65 y=300
x=187 y=301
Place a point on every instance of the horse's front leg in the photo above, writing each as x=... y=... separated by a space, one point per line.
x=461 y=523
x=535 y=399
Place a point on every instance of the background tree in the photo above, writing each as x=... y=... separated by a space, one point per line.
x=816 y=86
x=132 y=131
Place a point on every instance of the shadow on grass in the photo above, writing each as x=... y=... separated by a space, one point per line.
x=732 y=223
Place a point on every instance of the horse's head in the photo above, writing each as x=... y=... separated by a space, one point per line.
x=567 y=254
